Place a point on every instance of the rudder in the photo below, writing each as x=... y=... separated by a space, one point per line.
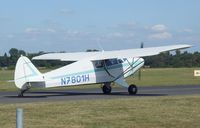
x=25 y=73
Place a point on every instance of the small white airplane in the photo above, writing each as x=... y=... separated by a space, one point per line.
x=89 y=68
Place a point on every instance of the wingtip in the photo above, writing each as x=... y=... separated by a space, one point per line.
x=188 y=46
x=185 y=45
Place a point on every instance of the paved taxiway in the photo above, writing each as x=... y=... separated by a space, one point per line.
x=87 y=94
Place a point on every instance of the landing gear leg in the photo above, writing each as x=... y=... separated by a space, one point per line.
x=132 y=89
x=107 y=88
x=21 y=93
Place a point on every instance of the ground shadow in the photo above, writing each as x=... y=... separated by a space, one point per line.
x=46 y=94
x=57 y=93
x=25 y=96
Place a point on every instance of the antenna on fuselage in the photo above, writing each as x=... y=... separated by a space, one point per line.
x=99 y=45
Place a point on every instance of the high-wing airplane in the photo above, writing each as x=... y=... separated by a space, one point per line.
x=88 y=68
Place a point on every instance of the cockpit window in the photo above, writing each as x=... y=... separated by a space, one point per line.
x=111 y=62
x=99 y=64
x=120 y=61
x=108 y=62
x=124 y=59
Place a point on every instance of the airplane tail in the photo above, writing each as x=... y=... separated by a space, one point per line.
x=26 y=74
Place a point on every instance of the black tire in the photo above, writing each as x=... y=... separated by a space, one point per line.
x=20 y=94
x=132 y=89
x=106 y=89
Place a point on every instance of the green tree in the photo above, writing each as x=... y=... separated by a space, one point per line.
x=15 y=54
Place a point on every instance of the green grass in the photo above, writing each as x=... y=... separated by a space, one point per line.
x=137 y=112
x=150 y=77
x=5 y=76
x=167 y=76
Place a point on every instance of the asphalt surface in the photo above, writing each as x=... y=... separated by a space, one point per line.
x=88 y=94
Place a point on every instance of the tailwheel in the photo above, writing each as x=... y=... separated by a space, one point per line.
x=107 y=88
x=21 y=92
x=132 y=89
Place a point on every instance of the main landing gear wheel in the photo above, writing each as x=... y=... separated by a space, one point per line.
x=106 y=88
x=132 y=89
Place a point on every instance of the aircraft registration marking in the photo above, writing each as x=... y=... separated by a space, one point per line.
x=75 y=79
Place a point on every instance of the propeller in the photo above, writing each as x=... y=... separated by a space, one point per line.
x=142 y=45
x=140 y=72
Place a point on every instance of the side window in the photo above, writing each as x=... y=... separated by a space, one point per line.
x=111 y=62
x=120 y=61
x=124 y=59
x=98 y=64
x=114 y=61
x=108 y=62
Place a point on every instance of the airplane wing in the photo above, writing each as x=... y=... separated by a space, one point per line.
x=65 y=56
x=140 y=52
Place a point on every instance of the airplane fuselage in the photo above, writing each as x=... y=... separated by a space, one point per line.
x=89 y=72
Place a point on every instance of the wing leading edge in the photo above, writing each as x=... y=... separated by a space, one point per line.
x=110 y=54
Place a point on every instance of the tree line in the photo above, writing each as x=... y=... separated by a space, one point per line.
x=9 y=60
x=165 y=59
x=177 y=60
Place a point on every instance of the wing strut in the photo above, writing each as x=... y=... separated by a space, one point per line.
x=131 y=67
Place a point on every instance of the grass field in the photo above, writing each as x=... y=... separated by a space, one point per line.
x=167 y=76
x=135 y=112
x=6 y=75
x=150 y=77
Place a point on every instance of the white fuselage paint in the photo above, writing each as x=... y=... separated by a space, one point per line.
x=85 y=72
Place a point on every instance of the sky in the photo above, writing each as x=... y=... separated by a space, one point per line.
x=78 y=25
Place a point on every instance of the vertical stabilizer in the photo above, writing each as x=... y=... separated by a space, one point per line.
x=25 y=73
